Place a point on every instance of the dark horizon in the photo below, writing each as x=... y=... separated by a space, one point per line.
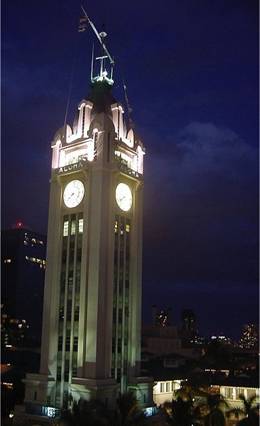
x=192 y=78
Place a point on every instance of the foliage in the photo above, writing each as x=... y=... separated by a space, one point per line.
x=250 y=412
x=127 y=412
x=95 y=413
x=85 y=413
x=215 y=416
x=181 y=412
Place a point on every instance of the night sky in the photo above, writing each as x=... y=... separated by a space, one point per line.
x=191 y=68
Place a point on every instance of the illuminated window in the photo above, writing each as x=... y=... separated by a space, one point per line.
x=116 y=227
x=7 y=260
x=80 y=226
x=66 y=228
x=73 y=228
x=127 y=228
x=239 y=391
x=251 y=393
x=229 y=393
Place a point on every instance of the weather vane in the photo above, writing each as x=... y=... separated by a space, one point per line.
x=103 y=74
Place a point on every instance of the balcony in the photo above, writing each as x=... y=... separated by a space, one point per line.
x=124 y=167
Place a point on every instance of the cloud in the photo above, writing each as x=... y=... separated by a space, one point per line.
x=203 y=150
x=201 y=206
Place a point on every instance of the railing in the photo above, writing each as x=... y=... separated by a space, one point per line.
x=72 y=166
x=123 y=166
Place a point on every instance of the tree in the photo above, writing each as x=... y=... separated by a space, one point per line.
x=95 y=413
x=250 y=412
x=181 y=412
x=215 y=416
x=86 y=413
x=128 y=412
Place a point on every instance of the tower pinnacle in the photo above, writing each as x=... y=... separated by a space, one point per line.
x=104 y=73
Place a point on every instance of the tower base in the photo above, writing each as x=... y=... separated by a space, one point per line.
x=105 y=390
x=142 y=388
x=39 y=404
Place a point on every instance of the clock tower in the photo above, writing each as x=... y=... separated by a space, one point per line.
x=92 y=303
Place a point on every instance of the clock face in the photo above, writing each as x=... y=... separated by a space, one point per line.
x=73 y=193
x=124 y=197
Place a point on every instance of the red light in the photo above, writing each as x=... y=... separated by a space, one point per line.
x=19 y=224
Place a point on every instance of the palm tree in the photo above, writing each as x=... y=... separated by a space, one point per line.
x=181 y=412
x=95 y=413
x=91 y=413
x=250 y=411
x=127 y=412
x=215 y=416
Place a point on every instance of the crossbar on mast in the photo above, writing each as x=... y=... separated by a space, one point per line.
x=98 y=37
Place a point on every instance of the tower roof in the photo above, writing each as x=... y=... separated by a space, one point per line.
x=101 y=96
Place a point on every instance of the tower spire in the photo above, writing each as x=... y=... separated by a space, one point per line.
x=103 y=74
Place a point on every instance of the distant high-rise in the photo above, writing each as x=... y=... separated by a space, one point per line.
x=161 y=317
x=23 y=254
x=249 y=337
x=189 y=324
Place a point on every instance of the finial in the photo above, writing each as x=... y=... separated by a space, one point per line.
x=103 y=74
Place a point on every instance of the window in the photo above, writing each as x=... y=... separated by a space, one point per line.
x=80 y=226
x=127 y=227
x=76 y=313
x=168 y=389
x=162 y=387
x=73 y=228
x=60 y=343
x=120 y=315
x=66 y=228
x=119 y=345
x=67 y=343
x=59 y=373
x=251 y=393
x=75 y=344
x=239 y=391
x=7 y=260
x=229 y=393
x=116 y=227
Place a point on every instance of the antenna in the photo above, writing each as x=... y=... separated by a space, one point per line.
x=129 y=109
x=92 y=62
x=100 y=36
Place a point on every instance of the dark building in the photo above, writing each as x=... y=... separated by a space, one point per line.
x=23 y=269
x=189 y=325
x=161 y=317
x=249 y=337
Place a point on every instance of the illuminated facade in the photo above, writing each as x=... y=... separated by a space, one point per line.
x=92 y=302
x=250 y=337
x=23 y=254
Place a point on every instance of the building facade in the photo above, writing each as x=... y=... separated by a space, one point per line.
x=23 y=262
x=92 y=302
